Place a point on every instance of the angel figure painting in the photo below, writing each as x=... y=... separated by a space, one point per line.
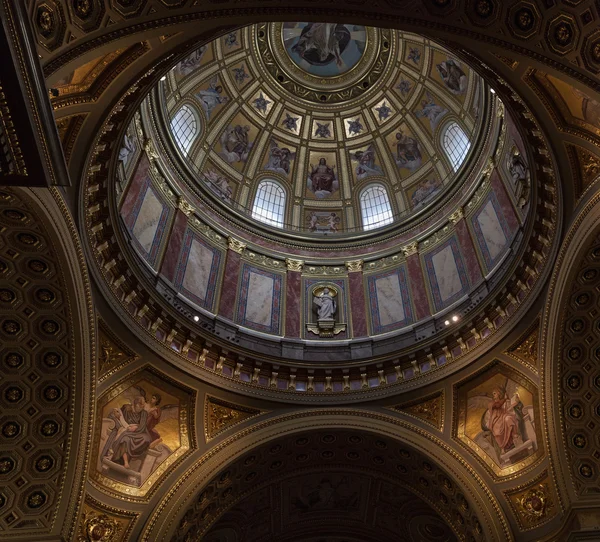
x=140 y=430
x=279 y=159
x=500 y=420
x=236 y=143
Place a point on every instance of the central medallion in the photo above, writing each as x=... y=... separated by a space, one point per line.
x=324 y=49
x=324 y=63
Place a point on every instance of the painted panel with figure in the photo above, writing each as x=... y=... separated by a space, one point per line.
x=497 y=419
x=142 y=430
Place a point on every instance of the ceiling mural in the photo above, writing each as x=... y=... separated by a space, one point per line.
x=322 y=100
x=144 y=427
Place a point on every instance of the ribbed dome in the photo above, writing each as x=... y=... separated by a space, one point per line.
x=321 y=127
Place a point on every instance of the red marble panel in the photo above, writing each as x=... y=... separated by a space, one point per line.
x=133 y=191
x=292 y=302
x=505 y=203
x=467 y=249
x=357 y=304
x=417 y=286
x=230 y=284
x=169 y=264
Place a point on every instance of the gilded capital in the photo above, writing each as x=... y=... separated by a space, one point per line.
x=355 y=265
x=294 y=265
x=236 y=245
x=456 y=215
x=410 y=249
x=184 y=206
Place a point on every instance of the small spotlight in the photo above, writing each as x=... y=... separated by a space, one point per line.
x=492 y=91
x=455 y=318
x=163 y=78
x=447 y=322
x=196 y=318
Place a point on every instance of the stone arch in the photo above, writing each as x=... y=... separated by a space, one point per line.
x=47 y=359
x=559 y=392
x=486 y=516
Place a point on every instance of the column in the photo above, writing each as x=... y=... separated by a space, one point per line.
x=467 y=248
x=171 y=257
x=357 y=298
x=416 y=281
x=292 y=297
x=230 y=278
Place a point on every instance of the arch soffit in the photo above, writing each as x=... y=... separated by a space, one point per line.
x=51 y=210
x=161 y=525
x=584 y=228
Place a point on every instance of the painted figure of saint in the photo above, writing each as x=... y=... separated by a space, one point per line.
x=190 y=62
x=236 y=144
x=502 y=421
x=431 y=111
x=408 y=151
x=322 y=43
x=211 y=97
x=453 y=76
x=366 y=163
x=279 y=159
x=322 y=179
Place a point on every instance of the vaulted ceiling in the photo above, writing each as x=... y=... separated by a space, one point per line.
x=135 y=409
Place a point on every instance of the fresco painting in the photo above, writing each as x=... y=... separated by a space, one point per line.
x=498 y=415
x=324 y=49
x=140 y=431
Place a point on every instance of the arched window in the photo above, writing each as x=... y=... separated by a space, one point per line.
x=375 y=207
x=456 y=144
x=184 y=126
x=269 y=203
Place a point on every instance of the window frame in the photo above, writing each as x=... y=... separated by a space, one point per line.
x=263 y=217
x=384 y=220
x=194 y=134
x=454 y=163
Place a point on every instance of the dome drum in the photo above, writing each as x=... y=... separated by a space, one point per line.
x=213 y=272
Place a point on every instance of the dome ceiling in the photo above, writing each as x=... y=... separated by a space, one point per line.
x=325 y=111
x=416 y=296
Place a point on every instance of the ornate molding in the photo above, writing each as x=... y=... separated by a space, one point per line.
x=294 y=265
x=236 y=245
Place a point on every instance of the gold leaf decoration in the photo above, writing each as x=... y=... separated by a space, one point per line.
x=219 y=416
x=112 y=353
x=533 y=503
x=590 y=166
x=103 y=523
x=525 y=349
x=430 y=409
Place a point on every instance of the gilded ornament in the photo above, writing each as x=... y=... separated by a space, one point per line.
x=98 y=528
x=430 y=410
x=409 y=250
x=236 y=245
x=355 y=265
x=456 y=216
x=294 y=265
x=184 y=206
x=221 y=415
x=535 y=504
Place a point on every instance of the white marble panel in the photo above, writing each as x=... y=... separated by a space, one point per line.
x=197 y=270
x=147 y=220
x=446 y=273
x=389 y=300
x=260 y=299
x=491 y=230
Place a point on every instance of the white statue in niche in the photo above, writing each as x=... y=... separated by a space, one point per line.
x=326 y=305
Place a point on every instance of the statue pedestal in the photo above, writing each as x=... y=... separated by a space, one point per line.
x=326 y=327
